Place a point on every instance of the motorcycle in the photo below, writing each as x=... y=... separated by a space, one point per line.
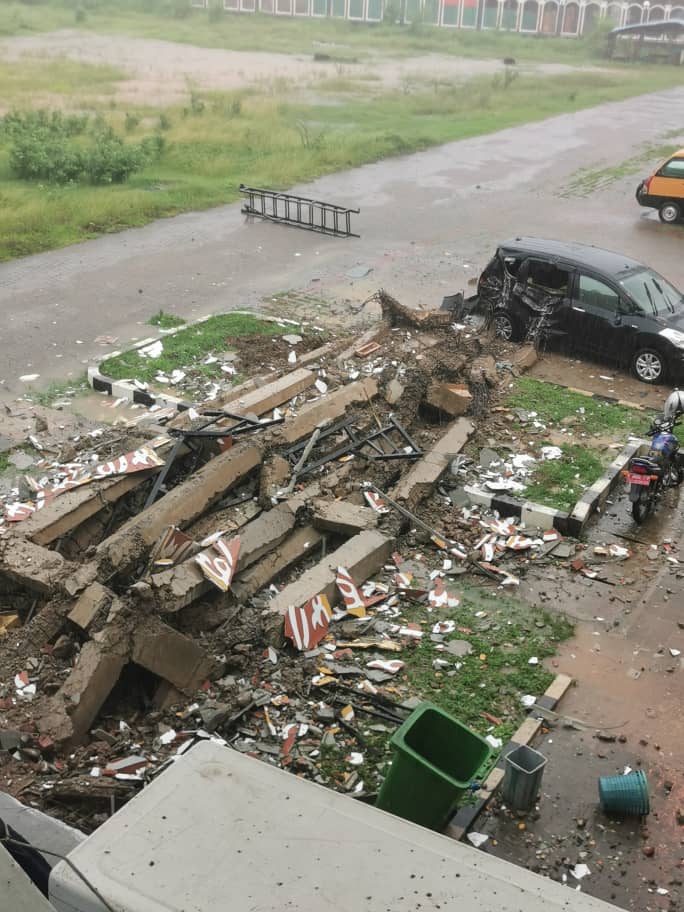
x=648 y=476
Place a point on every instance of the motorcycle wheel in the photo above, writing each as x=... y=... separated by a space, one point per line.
x=641 y=508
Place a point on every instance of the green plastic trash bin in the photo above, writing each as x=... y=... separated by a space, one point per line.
x=435 y=760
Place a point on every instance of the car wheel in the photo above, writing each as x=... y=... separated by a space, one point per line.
x=648 y=365
x=669 y=213
x=507 y=327
x=639 y=191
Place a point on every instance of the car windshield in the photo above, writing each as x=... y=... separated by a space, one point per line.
x=652 y=292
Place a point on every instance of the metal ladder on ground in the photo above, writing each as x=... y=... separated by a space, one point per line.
x=298 y=211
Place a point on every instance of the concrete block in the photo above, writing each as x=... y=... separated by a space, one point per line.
x=32 y=566
x=315 y=354
x=75 y=706
x=494 y=779
x=90 y=602
x=170 y=655
x=525 y=358
x=452 y=398
x=342 y=517
x=423 y=476
x=181 y=506
x=527 y=732
x=166 y=696
x=558 y=687
x=70 y=510
x=362 y=555
x=329 y=408
x=267 y=397
x=302 y=542
x=394 y=391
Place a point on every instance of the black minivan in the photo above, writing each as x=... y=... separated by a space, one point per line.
x=603 y=303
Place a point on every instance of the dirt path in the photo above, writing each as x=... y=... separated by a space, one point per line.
x=628 y=687
x=160 y=72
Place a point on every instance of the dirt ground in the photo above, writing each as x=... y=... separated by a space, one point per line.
x=160 y=72
x=628 y=686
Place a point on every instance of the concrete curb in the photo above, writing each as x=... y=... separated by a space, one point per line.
x=139 y=393
x=526 y=733
x=572 y=523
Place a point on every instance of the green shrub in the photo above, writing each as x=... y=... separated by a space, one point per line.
x=43 y=148
x=164 y=121
x=112 y=162
x=132 y=121
x=36 y=157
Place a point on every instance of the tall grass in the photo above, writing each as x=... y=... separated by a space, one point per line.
x=23 y=82
x=274 y=142
x=175 y=21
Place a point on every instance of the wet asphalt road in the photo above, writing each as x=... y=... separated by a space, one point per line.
x=428 y=223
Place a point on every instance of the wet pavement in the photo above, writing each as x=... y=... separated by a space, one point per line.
x=428 y=223
x=629 y=687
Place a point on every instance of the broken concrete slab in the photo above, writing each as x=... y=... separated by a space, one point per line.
x=394 y=391
x=71 y=509
x=33 y=567
x=73 y=709
x=424 y=475
x=294 y=548
x=451 y=398
x=362 y=555
x=266 y=398
x=91 y=601
x=333 y=406
x=525 y=357
x=185 y=503
x=342 y=517
x=484 y=369
x=181 y=585
x=170 y=655
x=275 y=473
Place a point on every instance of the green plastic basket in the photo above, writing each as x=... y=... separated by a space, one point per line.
x=435 y=760
x=625 y=795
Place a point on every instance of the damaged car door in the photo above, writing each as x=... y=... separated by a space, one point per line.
x=542 y=292
x=599 y=318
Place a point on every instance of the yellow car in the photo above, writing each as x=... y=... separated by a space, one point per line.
x=664 y=189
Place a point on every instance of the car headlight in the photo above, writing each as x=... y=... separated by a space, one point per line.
x=674 y=336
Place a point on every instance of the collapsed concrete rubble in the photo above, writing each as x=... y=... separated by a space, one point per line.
x=258 y=594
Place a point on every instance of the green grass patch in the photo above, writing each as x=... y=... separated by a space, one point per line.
x=274 y=141
x=508 y=635
x=4 y=462
x=188 y=346
x=592 y=416
x=29 y=82
x=165 y=320
x=560 y=483
x=588 y=181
